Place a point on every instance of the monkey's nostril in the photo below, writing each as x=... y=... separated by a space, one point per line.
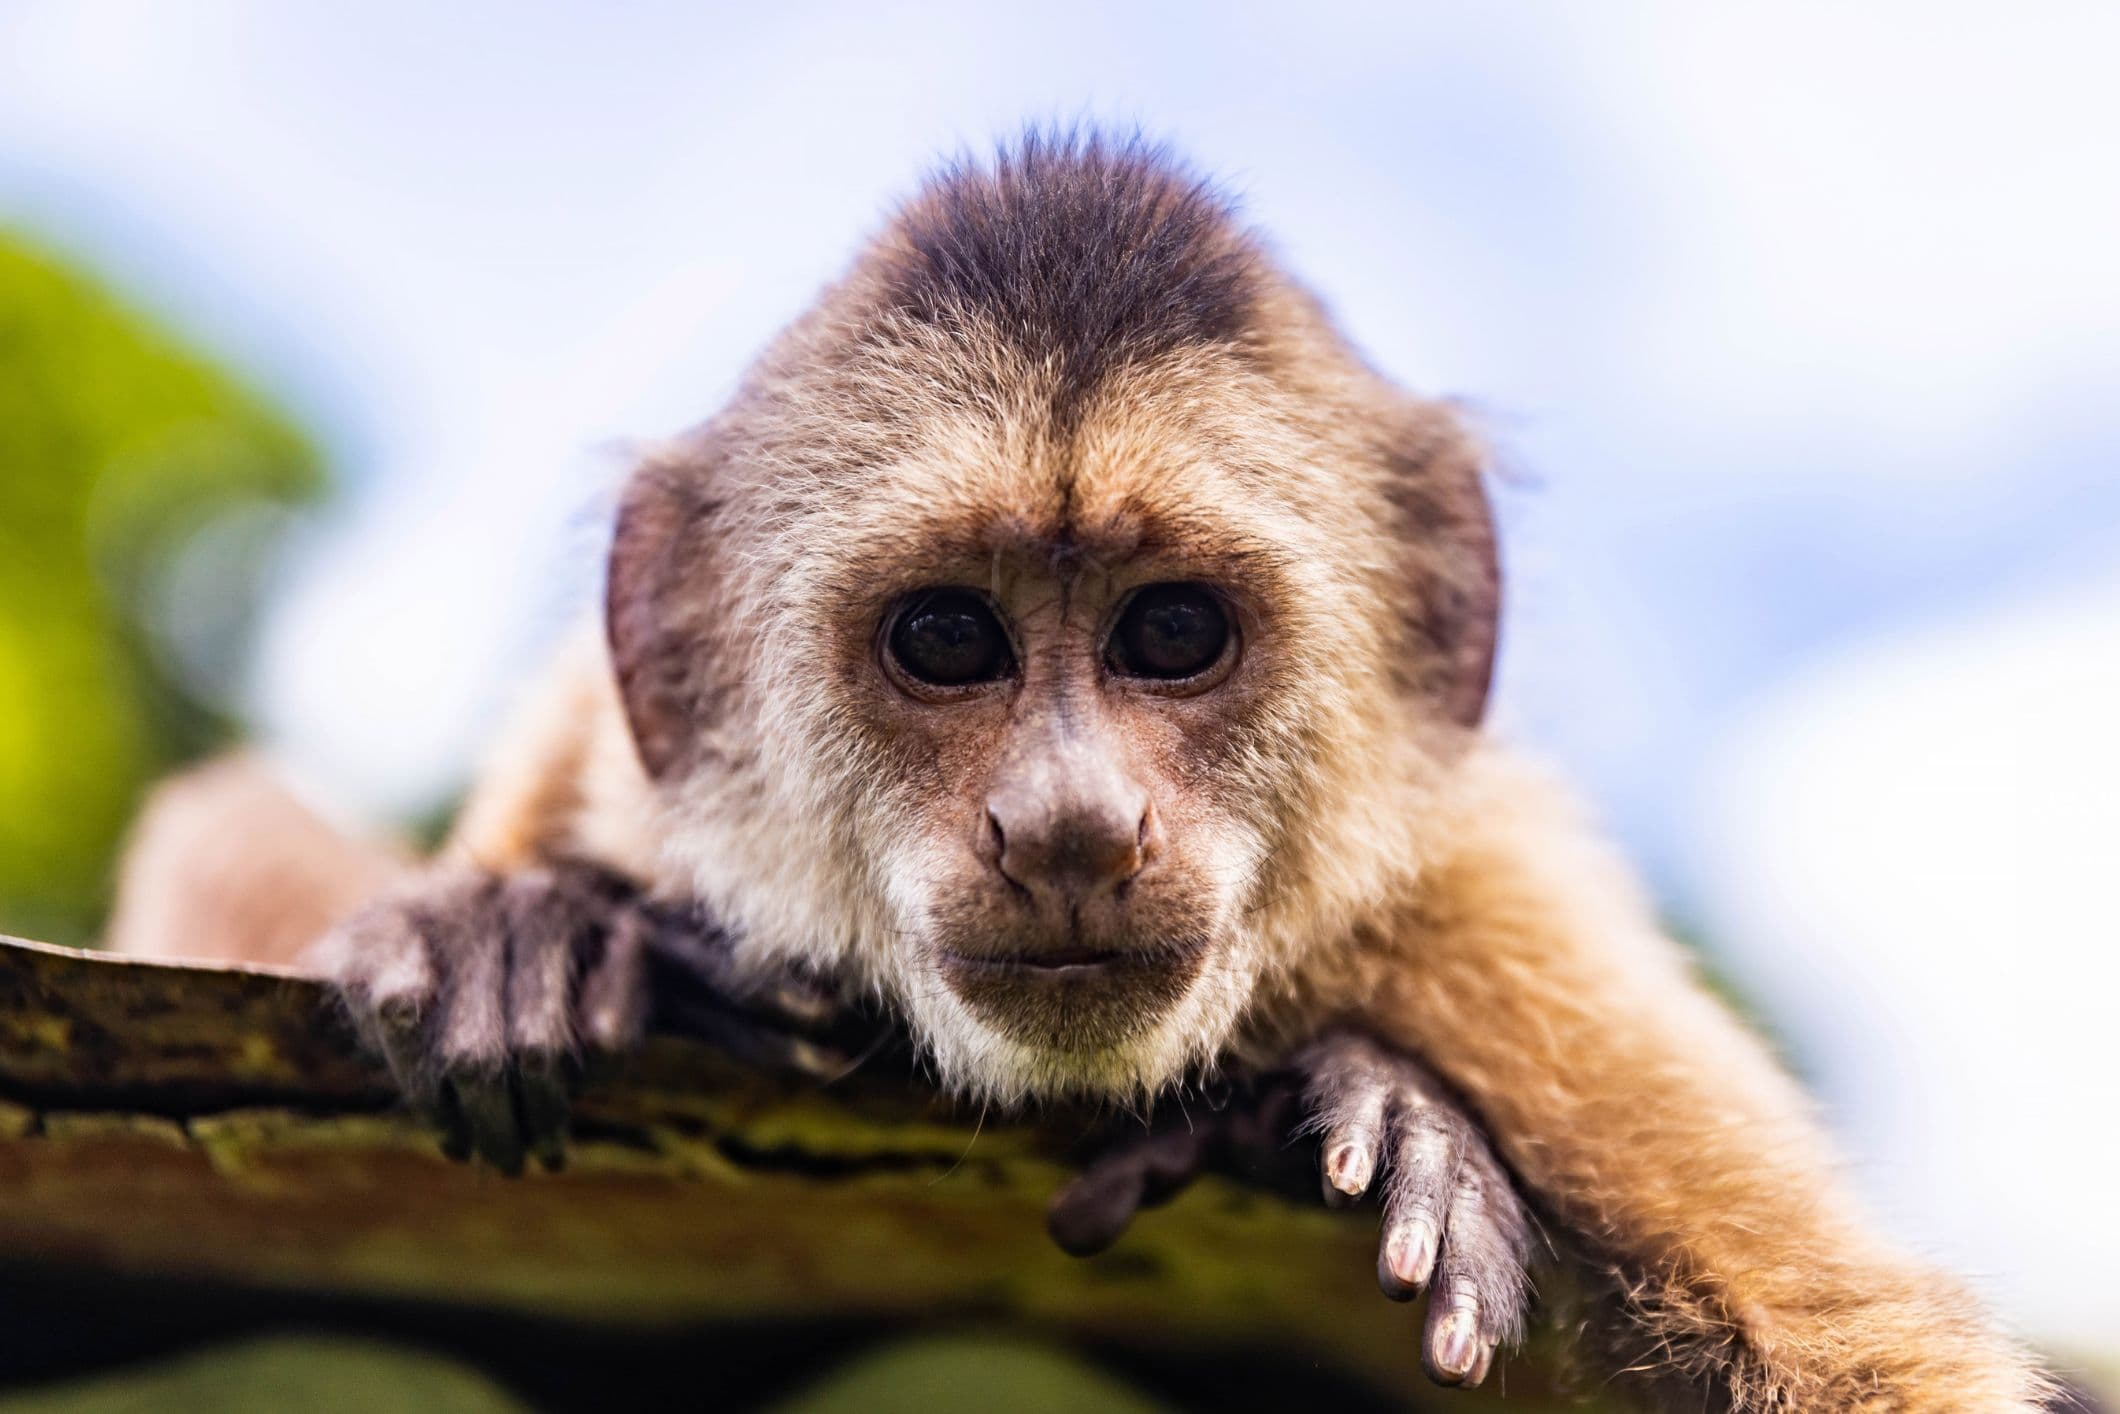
x=993 y=824
x=999 y=836
x=1144 y=840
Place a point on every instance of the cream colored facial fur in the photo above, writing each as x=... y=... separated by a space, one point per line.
x=834 y=823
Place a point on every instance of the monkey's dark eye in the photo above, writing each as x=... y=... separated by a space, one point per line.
x=949 y=638
x=1170 y=631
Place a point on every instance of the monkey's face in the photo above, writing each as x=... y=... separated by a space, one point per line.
x=1064 y=869
x=1064 y=744
x=1084 y=707
x=1055 y=631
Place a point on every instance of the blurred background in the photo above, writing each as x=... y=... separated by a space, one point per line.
x=324 y=331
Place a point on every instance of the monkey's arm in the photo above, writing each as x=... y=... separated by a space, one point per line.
x=538 y=934
x=563 y=780
x=1645 y=1117
x=1452 y=1220
x=227 y=864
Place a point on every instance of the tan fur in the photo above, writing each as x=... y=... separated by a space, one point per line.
x=563 y=778
x=1656 y=1129
x=225 y=864
x=1357 y=854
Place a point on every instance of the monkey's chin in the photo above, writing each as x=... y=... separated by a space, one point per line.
x=1074 y=1001
x=1078 y=1030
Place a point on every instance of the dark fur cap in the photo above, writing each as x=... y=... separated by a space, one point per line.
x=1085 y=252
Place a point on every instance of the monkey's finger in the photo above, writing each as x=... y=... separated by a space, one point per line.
x=1485 y=1249
x=687 y=952
x=396 y=1033
x=487 y=1102
x=1481 y=1292
x=1451 y=1346
x=1096 y=1207
x=449 y=1121
x=801 y=1002
x=1348 y=1092
x=1258 y=1119
x=1427 y=1150
x=689 y=957
x=543 y=933
x=387 y=981
x=471 y=1032
x=789 y=998
x=748 y=1039
x=544 y=1094
x=613 y=1009
x=1170 y=1161
x=1353 y=1148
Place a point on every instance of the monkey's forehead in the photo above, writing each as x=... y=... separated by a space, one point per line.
x=1187 y=477
x=1086 y=254
x=1072 y=351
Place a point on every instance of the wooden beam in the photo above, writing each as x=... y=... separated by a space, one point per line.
x=220 y=1123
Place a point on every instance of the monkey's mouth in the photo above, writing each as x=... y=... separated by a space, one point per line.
x=1073 y=997
x=1078 y=961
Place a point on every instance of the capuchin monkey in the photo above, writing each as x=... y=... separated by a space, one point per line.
x=1064 y=639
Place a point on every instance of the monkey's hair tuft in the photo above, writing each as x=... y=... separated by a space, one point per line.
x=1084 y=250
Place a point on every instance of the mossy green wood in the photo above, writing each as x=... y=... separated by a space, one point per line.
x=219 y=1122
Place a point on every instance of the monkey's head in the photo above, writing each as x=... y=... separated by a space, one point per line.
x=1061 y=628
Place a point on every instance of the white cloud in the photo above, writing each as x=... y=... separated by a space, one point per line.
x=1909 y=854
x=1890 y=217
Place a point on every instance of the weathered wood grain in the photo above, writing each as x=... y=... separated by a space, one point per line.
x=221 y=1123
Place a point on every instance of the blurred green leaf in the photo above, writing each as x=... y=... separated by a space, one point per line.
x=315 y=1374
x=968 y=1375
x=119 y=448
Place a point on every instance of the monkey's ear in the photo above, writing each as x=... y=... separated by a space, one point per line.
x=1451 y=567
x=650 y=619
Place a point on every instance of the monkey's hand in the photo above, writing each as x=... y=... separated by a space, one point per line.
x=1453 y=1224
x=483 y=991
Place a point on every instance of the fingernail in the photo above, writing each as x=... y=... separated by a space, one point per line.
x=1457 y=1344
x=803 y=1004
x=1411 y=1252
x=813 y=1059
x=1347 y=1169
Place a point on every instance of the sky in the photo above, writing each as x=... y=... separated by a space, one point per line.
x=1796 y=327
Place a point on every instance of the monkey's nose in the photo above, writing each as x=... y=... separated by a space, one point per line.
x=1069 y=853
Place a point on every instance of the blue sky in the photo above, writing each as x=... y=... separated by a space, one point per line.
x=1797 y=327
